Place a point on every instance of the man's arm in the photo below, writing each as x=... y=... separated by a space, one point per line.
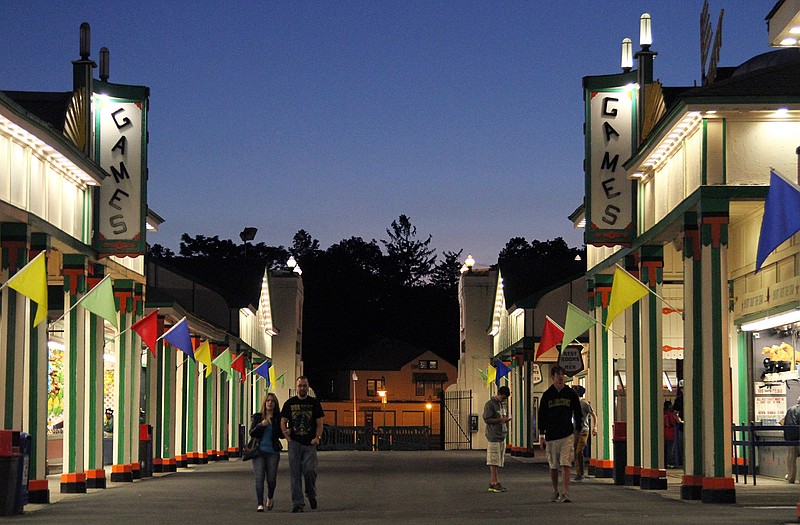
x=318 y=435
x=285 y=428
x=593 y=415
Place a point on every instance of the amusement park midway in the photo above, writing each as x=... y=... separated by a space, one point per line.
x=406 y=487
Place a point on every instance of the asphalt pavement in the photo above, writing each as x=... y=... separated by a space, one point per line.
x=440 y=487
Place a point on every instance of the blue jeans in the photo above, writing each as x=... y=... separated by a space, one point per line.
x=266 y=466
x=302 y=467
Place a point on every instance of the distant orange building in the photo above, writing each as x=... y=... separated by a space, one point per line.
x=412 y=380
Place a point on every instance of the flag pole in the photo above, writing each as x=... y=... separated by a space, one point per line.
x=651 y=291
x=5 y=284
x=79 y=300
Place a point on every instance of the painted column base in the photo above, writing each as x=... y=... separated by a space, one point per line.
x=234 y=452
x=718 y=490
x=96 y=479
x=604 y=468
x=73 y=483
x=193 y=458
x=211 y=455
x=692 y=487
x=653 y=479
x=121 y=474
x=181 y=461
x=202 y=458
x=222 y=455
x=739 y=466
x=136 y=472
x=633 y=476
x=38 y=491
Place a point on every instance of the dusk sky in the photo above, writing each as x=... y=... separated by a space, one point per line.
x=337 y=117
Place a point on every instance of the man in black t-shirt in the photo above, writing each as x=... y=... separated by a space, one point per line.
x=560 y=418
x=301 y=423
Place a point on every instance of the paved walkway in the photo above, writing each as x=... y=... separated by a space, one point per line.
x=405 y=487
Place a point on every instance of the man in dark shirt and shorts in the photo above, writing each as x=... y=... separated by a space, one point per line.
x=559 y=416
x=495 y=415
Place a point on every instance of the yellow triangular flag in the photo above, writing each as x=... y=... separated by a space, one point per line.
x=491 y=374
x=203 y=355
x=625 y=290
x=31 y=281
x=272 y=377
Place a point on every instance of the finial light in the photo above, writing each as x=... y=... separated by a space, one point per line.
x=645 y=31
x=627 y=54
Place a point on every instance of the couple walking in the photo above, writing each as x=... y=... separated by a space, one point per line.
x=300 y=422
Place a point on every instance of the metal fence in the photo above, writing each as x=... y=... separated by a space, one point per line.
x=381 y=438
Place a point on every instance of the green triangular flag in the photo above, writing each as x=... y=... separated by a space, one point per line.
x=223 y=361
x=100 y=301
x=576 y=324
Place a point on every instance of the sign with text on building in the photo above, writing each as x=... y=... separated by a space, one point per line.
x=610 y=138
x=769 y=408
x=120 y=114
x=571 y=360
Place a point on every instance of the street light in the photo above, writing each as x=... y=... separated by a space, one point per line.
x=382 y=394
x=428 y=406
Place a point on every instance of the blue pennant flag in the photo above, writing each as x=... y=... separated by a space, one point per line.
x=781 y=216
x=178 y=336
x=502 y=371
x=263 y=370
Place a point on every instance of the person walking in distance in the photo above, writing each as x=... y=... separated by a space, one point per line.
x=265 y=425
x=301 y=423
x=792 y=433
x=495 y=415
x=559 y=417
x=583 y=435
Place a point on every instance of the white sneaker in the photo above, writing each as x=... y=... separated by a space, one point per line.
x=554 y=497
x=564 y=498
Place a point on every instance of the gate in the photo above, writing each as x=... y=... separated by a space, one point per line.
x=456 y=411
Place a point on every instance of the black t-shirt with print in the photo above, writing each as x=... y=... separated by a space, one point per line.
x=302 y=415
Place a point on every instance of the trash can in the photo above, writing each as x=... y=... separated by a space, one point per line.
x=10 y=475
x=620 y=452
x=21 y=498
x=145 y=450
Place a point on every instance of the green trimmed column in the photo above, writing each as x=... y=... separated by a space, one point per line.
x=95 y=473
x=191 y=407
x=692 y=482
x=73 y=479
x=121 y=470
x=718 y=483
x=633 y=388
x=601 y=394
x=133 y=312
x=14 y=325
x=651 y=436
x=164 y=431
x=35 y=414
x=183 y=360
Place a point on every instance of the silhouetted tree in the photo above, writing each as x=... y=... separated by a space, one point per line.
x=446 y=272
x=409 y=259
x=157 y=251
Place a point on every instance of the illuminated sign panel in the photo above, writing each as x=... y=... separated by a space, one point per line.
x=609 y=143
x=120 y=149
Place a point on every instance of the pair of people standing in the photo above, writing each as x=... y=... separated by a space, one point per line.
x=301 y=423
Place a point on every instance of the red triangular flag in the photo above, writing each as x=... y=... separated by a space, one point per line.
x=147 y=329
x=552 y=334
x=238 y=365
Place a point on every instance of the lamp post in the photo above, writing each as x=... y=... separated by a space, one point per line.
x=428 y=406
x=355 y=378
x=382 y=394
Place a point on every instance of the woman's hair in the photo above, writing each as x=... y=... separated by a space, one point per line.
x=277 y=404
